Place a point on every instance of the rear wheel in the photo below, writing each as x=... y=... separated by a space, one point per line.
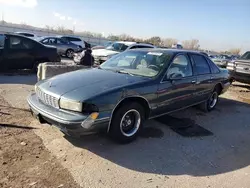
x=35 y=67
x=211 y=103
x=127 y=123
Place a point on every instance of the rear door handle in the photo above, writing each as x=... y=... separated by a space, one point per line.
x=193 y=81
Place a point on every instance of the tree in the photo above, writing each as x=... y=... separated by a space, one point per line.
x=113 y=37
x=192 y=44
x=235 y=51
x=168 y=42
x=154 y=40
x=49 y=28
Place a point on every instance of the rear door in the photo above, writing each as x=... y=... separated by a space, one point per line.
x=177 y=93
x=19 y=53
x=202 y=70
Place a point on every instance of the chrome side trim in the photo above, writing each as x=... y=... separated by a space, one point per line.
x=120 y=102
x=102 y=119
x=176 y=110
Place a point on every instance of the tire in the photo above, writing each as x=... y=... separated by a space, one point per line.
x=35 y=67
x=126 y=123
x=212 y=101
x=69 y=53
x=58 y=58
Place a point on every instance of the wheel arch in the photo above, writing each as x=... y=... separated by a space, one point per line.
x=219 y=87
x=139 y=99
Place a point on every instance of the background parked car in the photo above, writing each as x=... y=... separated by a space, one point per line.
x=102 y=46
x=63 y=47
x=75 y=40
x=102 y=55
x=221 y=60
x=19 y=52
x=240 y=68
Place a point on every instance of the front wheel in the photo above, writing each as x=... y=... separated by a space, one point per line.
x=127 y=122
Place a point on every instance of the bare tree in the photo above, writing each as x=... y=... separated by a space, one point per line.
x=168 y=42
x=192 y=44
x=235 y=51
x=49 y=28
x=154 y=40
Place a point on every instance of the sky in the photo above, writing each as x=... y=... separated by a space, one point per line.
x=218 y=24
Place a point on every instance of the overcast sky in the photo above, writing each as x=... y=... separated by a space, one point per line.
x=218 y=24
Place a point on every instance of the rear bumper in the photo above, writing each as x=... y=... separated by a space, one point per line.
x=241 y=77
x=73 y=124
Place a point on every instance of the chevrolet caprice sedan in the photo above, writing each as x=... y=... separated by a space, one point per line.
x=126 y=90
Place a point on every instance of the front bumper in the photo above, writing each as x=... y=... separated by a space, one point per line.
x=70 y=123
x=241 y=77
x=226 y=85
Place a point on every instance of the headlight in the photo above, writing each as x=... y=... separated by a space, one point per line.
x=70 y=105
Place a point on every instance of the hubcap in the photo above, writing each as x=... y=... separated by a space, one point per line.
x=213 y=100
x=130 y=122
x=70 y=53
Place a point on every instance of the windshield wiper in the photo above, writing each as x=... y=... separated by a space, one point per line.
x=124 y=72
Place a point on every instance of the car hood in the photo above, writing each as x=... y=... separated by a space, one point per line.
x=103 y=52
x=86 y=83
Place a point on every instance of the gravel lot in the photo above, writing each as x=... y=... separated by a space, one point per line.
x=159 y=158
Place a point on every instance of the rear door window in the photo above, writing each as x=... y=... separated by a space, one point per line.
x=201 y=65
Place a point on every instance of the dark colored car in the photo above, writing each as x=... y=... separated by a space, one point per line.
x=239 y=69
x=63 y=47
x=20 y=52
x=126 y=90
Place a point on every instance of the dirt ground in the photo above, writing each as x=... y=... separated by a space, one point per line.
x=24 y=161
x=34 y=155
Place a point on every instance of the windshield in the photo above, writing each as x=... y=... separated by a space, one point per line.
x=246 y=56
x=140 y=63
x=117 y=47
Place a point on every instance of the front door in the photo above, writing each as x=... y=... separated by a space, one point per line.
x=19 y=53
x=177 y=87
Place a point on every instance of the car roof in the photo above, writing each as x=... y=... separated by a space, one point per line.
x=164 y=50
x=69 y=36
x=128 y=43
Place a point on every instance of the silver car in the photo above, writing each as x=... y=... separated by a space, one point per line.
x=63 y=47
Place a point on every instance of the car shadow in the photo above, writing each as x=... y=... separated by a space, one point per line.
x=9 y=78
x=227 y=150
x=245 y=86
x=16 y=126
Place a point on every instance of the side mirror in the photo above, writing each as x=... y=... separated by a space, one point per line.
x=175 y=76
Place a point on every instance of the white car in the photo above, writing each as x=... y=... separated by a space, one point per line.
x=74 y=40
x=102 y=55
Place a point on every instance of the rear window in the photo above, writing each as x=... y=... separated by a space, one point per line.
x=213 y=67
x=73 y=39
x=27 y=34
x=2 y=40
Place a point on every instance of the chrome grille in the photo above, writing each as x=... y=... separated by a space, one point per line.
x=47 y=99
